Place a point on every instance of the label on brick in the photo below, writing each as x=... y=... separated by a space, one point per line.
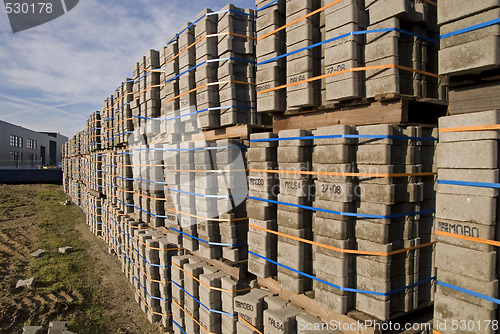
x=461 y=229
x=297 y=187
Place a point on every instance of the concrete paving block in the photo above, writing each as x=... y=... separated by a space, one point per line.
x=38 y=253
x=25 y=283
x=480 y=118
x=469 y=22
x=243 y=328
x=33 y=330
x=251 y=305
x=482 y=210
x=340 y=207
x=65 y=250
x=281 y=320
x=469 y=229
x=332 y=301
x=333 y=266
x=265 y=135
x=449 y=10
x=469 y=154
x=334 y=130
x=448 y=309
x=261 y=269
x=294 y=154
x=297 y=220
x=475 y=57
x=467 y=262
x=295 y=134
x=475 y=175
x=273 y=302
x=334 y=154
x=486 y=288
x=335 y=229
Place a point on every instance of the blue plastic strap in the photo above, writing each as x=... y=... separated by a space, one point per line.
x=469 y=292
x=470 y=184
x=208 y=242
x=342 y=288
x=471 y=28
x=347 y=214
x=347 y=137
x=178 y=326
x=353 y=33
x=268 y=5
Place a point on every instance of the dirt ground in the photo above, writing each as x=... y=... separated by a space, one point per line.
x=85 y=288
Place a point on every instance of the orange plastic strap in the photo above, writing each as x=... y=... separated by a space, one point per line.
x=340 y=250
x=149 y=308
x=298 y=20
x=463 y=237
x=471 y=128
x=355 y=69
x=249 y=325
x=341 y=174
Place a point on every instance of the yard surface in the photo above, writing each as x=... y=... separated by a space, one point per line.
x=86 y=288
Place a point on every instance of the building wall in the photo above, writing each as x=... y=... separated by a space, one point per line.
x=42 y=139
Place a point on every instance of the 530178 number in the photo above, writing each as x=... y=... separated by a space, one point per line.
x=31 y=8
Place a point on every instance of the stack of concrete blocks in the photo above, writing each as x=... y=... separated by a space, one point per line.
x=139 y=157
x=399 y=48
x=271 y=16
x=187 y=60
x=477 y=51
x=471 y=52
x=206 y=188
x=169 y=62
x=187 y=196
x=95 y=172
x=337 y=193
x=305 y=64
x=236 y=75
x=262 y=155
x=108 y=123
x=123 y=114
x=207 y=96
x=231 y=198
x=156 y=177
x=344 y=53
x=152 y=259
x=296 y=189
x=211 y=298
x=172 y=182
x=250 y=308
x=470 y=212
x=124 y=179
x=386 y=196
x=93 y=131
x=230 y=290
x=261 y=312
x=94 y=212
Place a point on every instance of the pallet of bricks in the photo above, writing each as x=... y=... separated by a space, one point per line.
x=468 y=170
x=344 y=213
x=319 y=54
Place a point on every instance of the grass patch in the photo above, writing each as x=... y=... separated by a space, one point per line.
x=67 y=274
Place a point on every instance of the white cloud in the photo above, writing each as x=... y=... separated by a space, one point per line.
x=57 y=74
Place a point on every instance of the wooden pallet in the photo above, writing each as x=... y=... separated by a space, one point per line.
x=241 y=131
x=421 y=315
x=384 y=109
x=238 y=272
x=475 y=79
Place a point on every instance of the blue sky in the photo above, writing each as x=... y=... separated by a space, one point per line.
x=52 y=77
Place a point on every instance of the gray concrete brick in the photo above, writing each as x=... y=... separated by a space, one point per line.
x=480 y=118
x=467 y=262
x=446 y=308
x=449 y=10
x=280 y=320
x=482 y=210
